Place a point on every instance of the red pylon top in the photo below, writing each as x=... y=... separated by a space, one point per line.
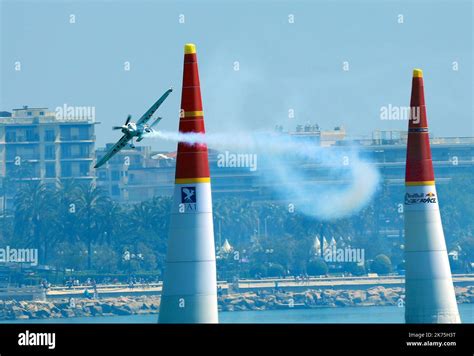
x=419 y=165
x=192 y=165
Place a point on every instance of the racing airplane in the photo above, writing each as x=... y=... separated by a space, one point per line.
x=131 y=130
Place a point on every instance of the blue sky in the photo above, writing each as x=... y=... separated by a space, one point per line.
x=282 y=65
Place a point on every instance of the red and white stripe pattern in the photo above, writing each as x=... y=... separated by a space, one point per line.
x=189 y=288
x=429 y=289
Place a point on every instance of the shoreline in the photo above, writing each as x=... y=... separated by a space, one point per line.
x=245 y=301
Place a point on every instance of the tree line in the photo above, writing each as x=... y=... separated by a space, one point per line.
x=77 y=226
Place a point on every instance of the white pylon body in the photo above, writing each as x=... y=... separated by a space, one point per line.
x=430 y=296
x=190 y=293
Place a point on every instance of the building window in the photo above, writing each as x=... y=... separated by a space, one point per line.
x=84 y=169
x=11 y=153
x=10 y=136
x=49 y=152
x=66 y=151
x=115 y=190
x=115 y=176
x=74 y=133
x=31 y=135
x=50 y=171
x=75 y=151
x=84 y=133
x=29 y=113
x=66 y=170
x=65 y=133
x=84 y=151
x=49 y=136
x=41 y=113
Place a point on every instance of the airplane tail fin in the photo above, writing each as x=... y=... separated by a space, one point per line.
x=158 y=119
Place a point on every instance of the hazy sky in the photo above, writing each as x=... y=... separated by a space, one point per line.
x=282 y=65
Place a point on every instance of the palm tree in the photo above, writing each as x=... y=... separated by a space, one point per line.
x=35 y=216
x=92 y=206
x=67 y=198
x=140 y=222
x=111 y=225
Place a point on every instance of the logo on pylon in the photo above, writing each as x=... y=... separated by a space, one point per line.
x=188 y=195
x=420 y=198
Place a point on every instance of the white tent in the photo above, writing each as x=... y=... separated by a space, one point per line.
x=226 y=247
x=316 y=248
x=325 y=244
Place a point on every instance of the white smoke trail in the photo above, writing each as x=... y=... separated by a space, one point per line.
x=289 y=180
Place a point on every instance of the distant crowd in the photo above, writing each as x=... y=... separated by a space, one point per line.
x=91 y=282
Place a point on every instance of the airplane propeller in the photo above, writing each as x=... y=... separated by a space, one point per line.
x=124 y=126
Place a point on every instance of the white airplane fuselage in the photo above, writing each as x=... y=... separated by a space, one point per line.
x=134 y=130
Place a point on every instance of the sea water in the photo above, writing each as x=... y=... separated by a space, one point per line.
x=369 y=315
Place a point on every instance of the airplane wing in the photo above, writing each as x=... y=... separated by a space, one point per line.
x=146 y=116
x=115 y=148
